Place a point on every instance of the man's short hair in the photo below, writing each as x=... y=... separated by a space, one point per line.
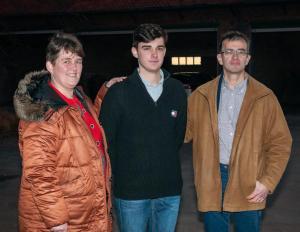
x=234 y=35
x=148 y=32
x=63 y=41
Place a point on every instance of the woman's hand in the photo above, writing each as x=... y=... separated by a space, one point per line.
x=60 y=228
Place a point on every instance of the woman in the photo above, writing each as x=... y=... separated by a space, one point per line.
x=66 y=170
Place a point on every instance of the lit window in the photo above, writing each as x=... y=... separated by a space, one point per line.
x=190 y=60
x=182 y=60
x=186 y=60
x=197 y=60
x=175 y=60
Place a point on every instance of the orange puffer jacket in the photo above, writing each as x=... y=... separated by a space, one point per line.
x=63 y=179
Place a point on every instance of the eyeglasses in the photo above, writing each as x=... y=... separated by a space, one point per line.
x=231 y=52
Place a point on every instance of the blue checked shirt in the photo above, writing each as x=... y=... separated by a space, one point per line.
x=229 y=109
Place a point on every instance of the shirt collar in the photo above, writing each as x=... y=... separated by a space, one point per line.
x=153 y=85
x=239 y=88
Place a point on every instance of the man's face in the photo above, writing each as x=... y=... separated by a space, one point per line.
x=234 y=56
x=150 y=55
x=66 y=71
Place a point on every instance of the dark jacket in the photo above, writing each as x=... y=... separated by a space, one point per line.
x=144 y=137
x=62 y=177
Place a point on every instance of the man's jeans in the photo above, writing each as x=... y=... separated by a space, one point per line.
x=148 y=215
x=244 y=221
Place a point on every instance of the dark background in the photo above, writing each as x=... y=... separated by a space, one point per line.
x=105 y=28
x=194 y=26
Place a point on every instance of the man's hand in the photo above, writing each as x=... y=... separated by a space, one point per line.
x=259 y=194
x=60 y=228
x=114 y=80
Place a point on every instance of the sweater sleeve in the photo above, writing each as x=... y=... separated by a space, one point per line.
x=182 y=118
x=277 y=145
x=39 y=170
x=110 y=117
x=99 y=98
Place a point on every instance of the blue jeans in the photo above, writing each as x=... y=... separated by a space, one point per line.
x=147 y=215
x=244 y=221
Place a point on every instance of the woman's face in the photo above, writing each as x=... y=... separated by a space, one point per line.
x=65 y=72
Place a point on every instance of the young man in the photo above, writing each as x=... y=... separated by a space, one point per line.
x=144 y=118
x=241 y=142
x=66 y=169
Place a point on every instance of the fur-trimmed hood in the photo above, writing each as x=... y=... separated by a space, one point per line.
x=34 y=97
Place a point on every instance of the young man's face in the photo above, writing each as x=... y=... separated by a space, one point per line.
x=66 y=71
x=234 y=56
x=150 y=55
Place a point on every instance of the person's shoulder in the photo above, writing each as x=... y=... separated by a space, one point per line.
x=47 y=127
x=174 y=83
x=116 y=88
x=207 y=87
x=259 y=88
x=259 y=84
x=176 y=86
x=116 y=92
x=210 y=84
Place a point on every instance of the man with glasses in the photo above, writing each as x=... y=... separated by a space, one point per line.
x=241 y=142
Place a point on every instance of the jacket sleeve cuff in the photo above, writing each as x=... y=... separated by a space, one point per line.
x=99 y=98
x=55 y=215
x=270 y=186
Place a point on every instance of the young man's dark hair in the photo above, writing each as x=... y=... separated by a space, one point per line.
x=234 y=35
x=147 y=32
x=63 y=41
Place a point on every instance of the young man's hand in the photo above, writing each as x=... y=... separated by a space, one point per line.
x=259 y=194
x=113 y=81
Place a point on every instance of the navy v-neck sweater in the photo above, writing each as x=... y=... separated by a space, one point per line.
x=144 y=137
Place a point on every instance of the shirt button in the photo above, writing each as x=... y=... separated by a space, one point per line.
x=230 y=107
x=98 y=143
x=231 y=134
x=92 y=126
